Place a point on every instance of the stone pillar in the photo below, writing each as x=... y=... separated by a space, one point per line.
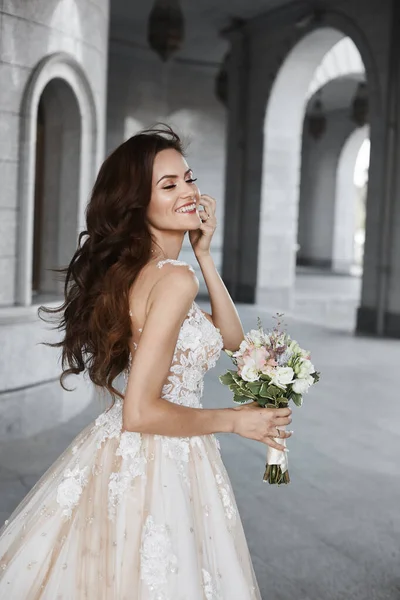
x=233 y=243
x=379 y=311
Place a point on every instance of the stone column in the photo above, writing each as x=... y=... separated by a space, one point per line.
x=379 y=311
x=233 y=244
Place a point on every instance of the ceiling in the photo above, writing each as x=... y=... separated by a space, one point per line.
x=204 y=19
x=338 y=94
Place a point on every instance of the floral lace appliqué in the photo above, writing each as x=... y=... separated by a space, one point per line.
x=157 y=559
x=177 y=449
x=197 y=350
x=70 y=489
x=226 y=498
x=210 y=587
x=109 y=423
x=172 y=261
x=130 y=448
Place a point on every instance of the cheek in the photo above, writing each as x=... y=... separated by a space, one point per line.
x=159 y=205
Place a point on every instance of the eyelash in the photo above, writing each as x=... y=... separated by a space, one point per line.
x=169 y=187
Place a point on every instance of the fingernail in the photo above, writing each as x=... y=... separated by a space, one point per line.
x=286 y=449
x=291 y=431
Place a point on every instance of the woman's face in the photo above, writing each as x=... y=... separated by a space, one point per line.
x=173 y=188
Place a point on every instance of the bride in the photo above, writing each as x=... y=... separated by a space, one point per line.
x=140 y=506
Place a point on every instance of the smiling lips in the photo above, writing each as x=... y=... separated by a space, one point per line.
x=187 y=208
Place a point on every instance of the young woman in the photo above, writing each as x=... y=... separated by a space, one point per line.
x=140 y=506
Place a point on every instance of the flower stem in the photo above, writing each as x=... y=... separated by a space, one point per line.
x=273 y=475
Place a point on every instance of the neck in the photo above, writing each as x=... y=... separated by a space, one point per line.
x=168 y=244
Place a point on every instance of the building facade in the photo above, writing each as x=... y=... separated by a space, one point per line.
x=78 y=77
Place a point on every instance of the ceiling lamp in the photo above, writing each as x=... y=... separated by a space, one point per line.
x=166 y=28
x=316 y=119
x=360 y=105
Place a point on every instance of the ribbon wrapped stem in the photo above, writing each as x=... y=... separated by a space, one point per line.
x=276 y=469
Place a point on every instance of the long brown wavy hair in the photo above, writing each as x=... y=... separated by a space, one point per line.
x=112 y=250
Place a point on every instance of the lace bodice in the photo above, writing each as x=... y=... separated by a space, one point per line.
x=197 y=350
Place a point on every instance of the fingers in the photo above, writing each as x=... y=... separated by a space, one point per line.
x=283 y=434
x=208 y=200
x=282 y=421
x=209 y=204
x=270 y=442
x=282 y=412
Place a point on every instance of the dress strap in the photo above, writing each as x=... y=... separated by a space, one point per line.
x=173 y=261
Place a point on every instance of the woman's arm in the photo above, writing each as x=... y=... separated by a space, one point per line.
x=224 y=313
x=144 y=410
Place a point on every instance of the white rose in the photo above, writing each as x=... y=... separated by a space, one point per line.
x=249 y=372
x=300 y=386
x=242 y=349
x=305 y=368
x=68 y=492
x=282 y=376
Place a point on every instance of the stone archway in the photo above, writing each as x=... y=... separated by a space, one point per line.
x=345 y=205
x=68 y=88
x=283 y=127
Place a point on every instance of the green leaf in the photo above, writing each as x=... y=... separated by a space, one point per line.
x=235 y=388
x=264 y=390
x=239 y=399
x=297 y=398
x=254 y=386
x=262 y=401
x=248 y=393
x=238 y=379
x=226 y=378
x=316 y=376
x=274 y=392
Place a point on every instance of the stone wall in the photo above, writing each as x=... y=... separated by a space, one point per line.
x=41 y=42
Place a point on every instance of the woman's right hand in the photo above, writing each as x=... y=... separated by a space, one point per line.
x=258 y=423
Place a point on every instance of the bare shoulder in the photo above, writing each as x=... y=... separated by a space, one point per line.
x=175 y=281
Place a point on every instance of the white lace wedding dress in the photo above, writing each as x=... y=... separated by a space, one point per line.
x=129 y=516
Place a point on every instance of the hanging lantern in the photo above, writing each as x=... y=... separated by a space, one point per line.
x=360 y=105
x=316 y=120
x=166 y=28
x=221 y=81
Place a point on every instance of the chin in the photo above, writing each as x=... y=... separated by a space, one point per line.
x=193 y=223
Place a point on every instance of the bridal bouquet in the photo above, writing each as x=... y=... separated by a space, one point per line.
x=272 y=369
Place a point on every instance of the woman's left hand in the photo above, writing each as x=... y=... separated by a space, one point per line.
x=201 y=238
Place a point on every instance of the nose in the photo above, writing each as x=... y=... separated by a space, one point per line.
x=188 y=190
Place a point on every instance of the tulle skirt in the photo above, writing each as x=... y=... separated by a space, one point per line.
x=125 y=516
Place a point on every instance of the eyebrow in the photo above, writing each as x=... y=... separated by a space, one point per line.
x=171 y=176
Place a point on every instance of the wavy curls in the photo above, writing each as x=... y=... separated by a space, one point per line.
x=112 y=250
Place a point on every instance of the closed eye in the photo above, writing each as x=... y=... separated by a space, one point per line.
x=170 y=187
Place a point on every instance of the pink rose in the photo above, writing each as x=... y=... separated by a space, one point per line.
x=258 y=356
x=269 y=367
